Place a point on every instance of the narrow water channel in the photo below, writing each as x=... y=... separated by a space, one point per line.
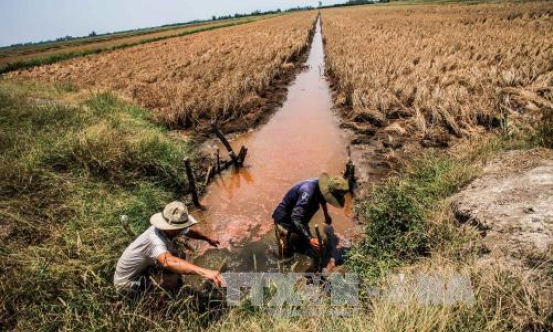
x=300 y=141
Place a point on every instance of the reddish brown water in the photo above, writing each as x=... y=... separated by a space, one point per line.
x=300 y=141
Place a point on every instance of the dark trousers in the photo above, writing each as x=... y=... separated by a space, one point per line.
x=293 y=240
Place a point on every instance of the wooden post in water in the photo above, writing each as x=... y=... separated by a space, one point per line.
x=225 y=142
x=220 y=165
x=191 y=182
x=242 y=154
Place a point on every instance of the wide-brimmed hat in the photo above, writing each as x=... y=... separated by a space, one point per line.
x=174 y=216
x=334 y=189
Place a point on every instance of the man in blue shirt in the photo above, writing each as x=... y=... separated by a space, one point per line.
x=301 y=203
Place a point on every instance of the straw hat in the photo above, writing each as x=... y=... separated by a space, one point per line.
x=174 y=216
x=333 y=189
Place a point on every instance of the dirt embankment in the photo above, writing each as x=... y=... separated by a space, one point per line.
x=512 y=205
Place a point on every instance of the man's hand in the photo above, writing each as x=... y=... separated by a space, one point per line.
x=213 y=242
x=315 y=244
x=196 y=234
x=215 y=277
x=180 y=266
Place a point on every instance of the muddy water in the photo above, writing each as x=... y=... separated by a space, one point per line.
x=300 y=141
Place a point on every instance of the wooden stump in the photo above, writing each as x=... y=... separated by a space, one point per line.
x=191 y=182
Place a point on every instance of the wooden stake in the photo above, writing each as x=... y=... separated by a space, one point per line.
x=225 y=142
x=191 y=182
x=242 y=154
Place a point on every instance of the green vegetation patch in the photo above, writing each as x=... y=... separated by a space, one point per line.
x=408 y=216
x=67 y=173
x=397 y=230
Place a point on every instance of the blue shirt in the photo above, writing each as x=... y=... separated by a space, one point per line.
x=300 y=203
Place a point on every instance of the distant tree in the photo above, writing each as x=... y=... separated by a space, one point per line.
x=92 y=34
x=64 y=38
x=320 y=4
x=214 y=18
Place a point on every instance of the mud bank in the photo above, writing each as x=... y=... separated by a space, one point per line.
x=377 y=151
x=512 y=206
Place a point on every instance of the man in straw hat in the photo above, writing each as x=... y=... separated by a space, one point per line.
x=300 y=204
x=155 y=250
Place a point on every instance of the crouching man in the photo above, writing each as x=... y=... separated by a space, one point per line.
x=299 y=205
x=154 y=254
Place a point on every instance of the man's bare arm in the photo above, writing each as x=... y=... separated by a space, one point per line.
x=328 y=218
x=196 y=234
x=180 y=266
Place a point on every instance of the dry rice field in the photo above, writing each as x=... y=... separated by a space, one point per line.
x=441 y=69
x=221 y=75
x=23 y=53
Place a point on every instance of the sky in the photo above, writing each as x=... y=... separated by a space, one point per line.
x=36 y=20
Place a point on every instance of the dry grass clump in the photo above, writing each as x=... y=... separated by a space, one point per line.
x=489 y=299
x=221 y=75
x=441 y=67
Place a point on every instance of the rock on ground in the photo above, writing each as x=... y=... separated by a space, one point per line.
x=512 y=204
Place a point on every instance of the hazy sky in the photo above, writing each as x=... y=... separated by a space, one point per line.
x=36 y=20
